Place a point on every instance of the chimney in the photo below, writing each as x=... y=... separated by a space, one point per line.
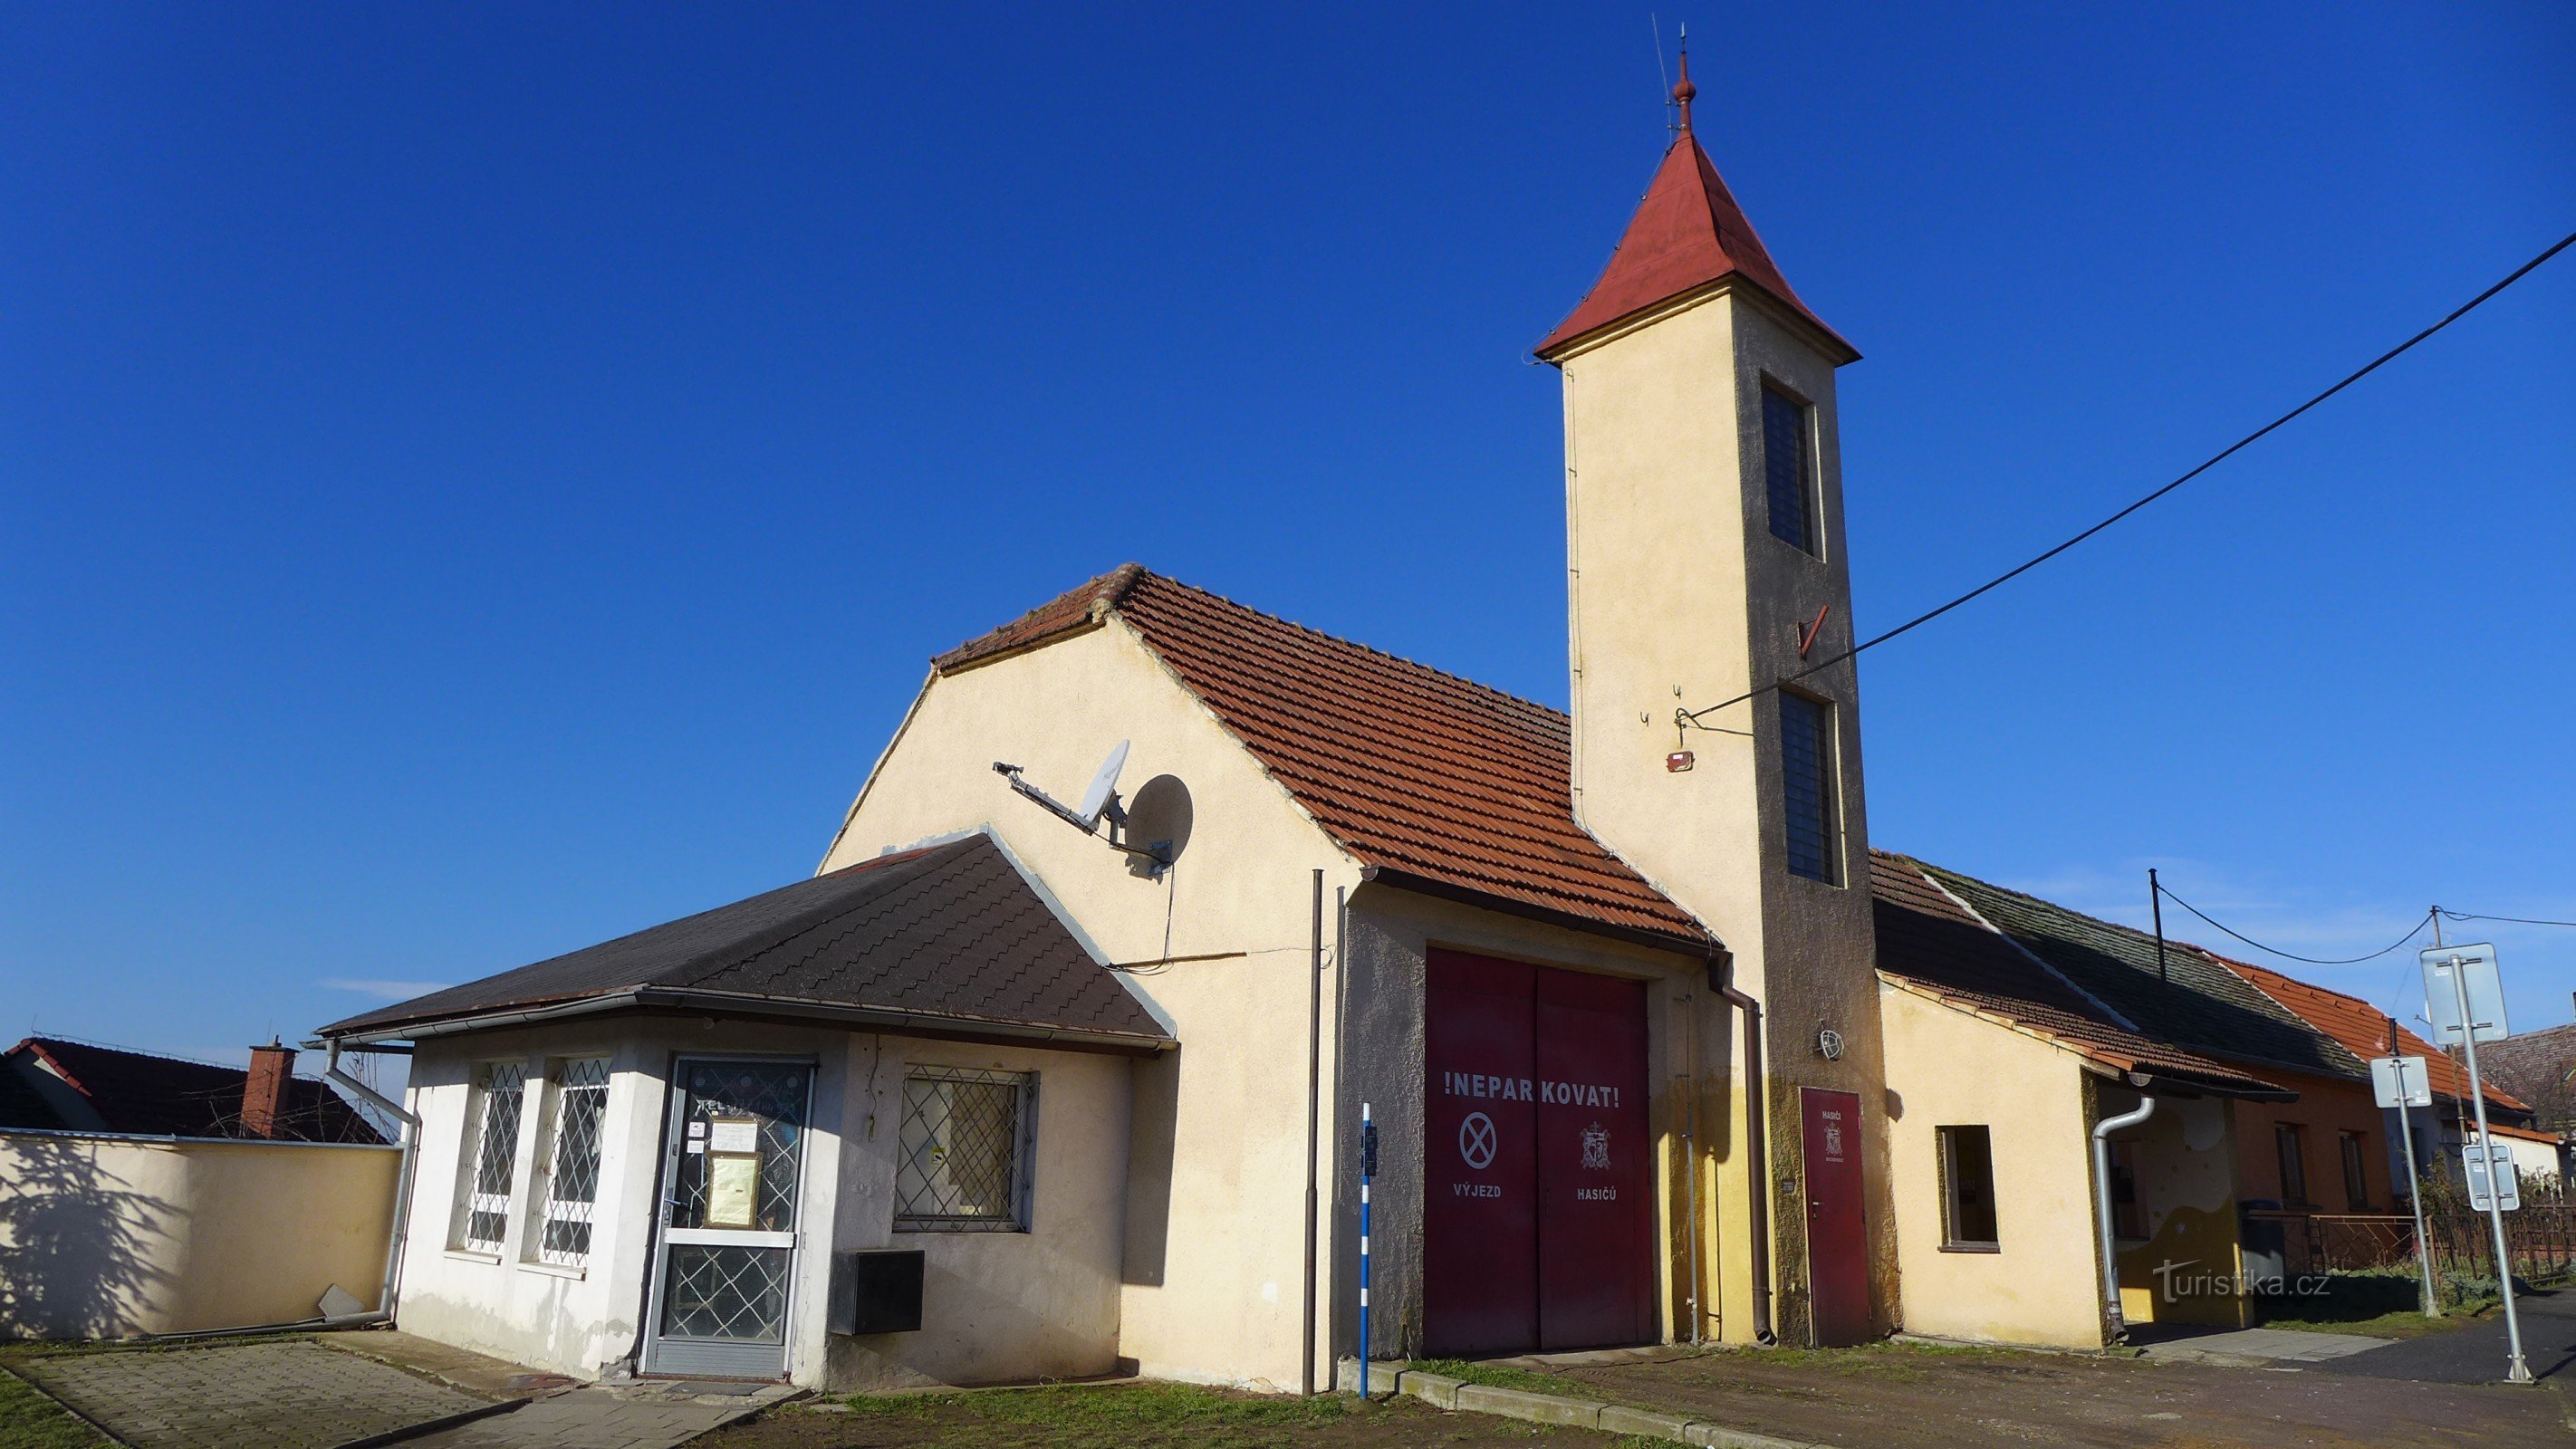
x=264 y=1090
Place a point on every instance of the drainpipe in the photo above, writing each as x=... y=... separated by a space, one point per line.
x=402 y=1178
x=2102 y=1131
x=1721 y=968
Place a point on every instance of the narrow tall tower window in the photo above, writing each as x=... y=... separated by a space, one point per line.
x=1807 y=787
x=1785 y=465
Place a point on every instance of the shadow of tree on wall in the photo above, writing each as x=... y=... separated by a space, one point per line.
x=76 y=1246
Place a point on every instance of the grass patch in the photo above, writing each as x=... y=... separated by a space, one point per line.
x=1497 y=1376
x=29 y=1420
x=2375 y=1305
x=1120 y=1414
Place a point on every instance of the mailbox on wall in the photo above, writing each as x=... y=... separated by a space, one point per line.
x=877 y=1291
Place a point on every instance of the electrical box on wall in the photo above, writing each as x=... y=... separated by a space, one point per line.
x=877 y=1291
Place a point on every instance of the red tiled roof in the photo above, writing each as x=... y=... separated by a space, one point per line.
x=2361 y=1027
x=1687 y=232
x=1928 y=940
x=1432 y=781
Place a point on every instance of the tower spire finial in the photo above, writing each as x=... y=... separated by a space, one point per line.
x=1683 y=90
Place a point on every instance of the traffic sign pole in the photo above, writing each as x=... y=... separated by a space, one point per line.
x=2414 y=1178
x=2517 y=1372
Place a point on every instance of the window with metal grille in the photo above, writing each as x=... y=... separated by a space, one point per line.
x=570 y=1159
x=491 y=1155
x=967 y=1141
x=2290 y=1144
x=1967 y=1188
x=1807 y=788
x=1787 y=470
x=2356 y=1183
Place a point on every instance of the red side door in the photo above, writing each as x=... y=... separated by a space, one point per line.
x=1837 y=1231
x=1595 y=1287
x=1479 y=1167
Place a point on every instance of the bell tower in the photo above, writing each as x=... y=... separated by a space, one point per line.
x=1705 y=563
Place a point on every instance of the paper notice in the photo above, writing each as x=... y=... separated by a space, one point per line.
x=733 y=1182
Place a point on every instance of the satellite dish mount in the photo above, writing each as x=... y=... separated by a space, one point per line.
x=1099 y=803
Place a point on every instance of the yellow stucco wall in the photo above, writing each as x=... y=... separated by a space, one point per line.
x=1946 y=1067
x=1680 y=596
x=101 y=1237
x=2188 y=1269
x=1215 y=1275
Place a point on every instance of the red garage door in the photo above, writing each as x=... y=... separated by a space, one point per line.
x=1536 y=1230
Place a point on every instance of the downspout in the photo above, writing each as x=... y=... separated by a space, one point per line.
x=1314 y=1098
x=394 y=1241
x=2102 y=1131
x=1721 y=968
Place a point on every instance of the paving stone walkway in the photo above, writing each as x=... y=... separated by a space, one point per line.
x=245 y=1396
x=594 y=1418
x=2265 y=1345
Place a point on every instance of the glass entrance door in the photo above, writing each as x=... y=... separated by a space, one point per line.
x=725 y=1258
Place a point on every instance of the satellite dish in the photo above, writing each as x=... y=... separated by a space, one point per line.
x=1104 y=785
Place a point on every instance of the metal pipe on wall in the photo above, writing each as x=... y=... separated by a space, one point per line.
x=1690 y=1156
x=395 y=1240
x=1314 y=1106
x=1721 y=972
x=2102 y=1131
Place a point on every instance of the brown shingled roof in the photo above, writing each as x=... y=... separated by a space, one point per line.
x=1432 y=782
x=944 y=939
x=1928 y=941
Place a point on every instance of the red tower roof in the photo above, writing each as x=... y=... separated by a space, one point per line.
x=1687 y=232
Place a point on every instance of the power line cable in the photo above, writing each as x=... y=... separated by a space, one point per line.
x=2512 y=920
x=1692 y=716
x=2399 y=944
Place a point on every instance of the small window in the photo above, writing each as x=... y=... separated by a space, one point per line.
x=491 y=1154
x=1967 y=1188
x=2356 y=1183
x=2128 y=1214
x=967 y=1142
x=1807 y=788
x=1787 y=470
x=2290 y=1142
x=570 y=1157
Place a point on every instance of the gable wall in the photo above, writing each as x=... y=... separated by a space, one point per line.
x=1948 y=1068
x=1214 y=1263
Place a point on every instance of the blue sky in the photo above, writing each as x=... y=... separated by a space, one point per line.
x=478 y=481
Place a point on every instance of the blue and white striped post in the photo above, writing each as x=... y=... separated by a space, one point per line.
x=1368 y=1169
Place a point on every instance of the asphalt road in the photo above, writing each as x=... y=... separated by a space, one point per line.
x=2478 y=1354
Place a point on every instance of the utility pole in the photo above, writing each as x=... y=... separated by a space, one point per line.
x=2156 y=899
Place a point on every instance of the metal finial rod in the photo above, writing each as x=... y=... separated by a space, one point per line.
x=1683 y=90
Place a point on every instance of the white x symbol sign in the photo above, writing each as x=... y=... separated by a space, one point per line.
x=1476 y=1139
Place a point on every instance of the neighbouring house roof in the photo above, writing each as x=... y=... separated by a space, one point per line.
x=2524 y=1134
x=1928 y=942
x=153 y=1096
x=1429 y=781
x=947 y=939
x=1687 y=232
x=2363 y=1030
x=2194 y=1001
x=2534 y=1066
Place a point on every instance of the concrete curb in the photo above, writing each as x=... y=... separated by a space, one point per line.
x=1459 y=1396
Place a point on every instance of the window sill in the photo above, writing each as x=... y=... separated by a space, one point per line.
x=1972 y=1247
x=474 y=1255
x=555 y=1270
x=960 y=1229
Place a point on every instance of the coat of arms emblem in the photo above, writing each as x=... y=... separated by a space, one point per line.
x=1596 y=1148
